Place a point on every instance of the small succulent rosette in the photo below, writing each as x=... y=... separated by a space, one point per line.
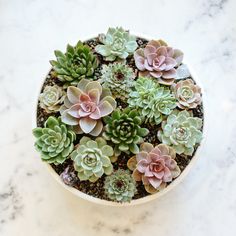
x=118 y=115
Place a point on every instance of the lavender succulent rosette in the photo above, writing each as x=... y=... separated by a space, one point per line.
x=159 y=61
x=119 y=117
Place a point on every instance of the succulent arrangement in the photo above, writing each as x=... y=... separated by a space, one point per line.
x=119 y=117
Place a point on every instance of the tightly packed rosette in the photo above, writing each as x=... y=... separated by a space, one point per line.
x=154 y=166
x=159 y=61
x=85 y=105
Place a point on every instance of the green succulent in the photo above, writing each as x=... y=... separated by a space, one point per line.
x=78 y=62
x=118 y=43
x=123 y=129
x=151 y=100
x=119 y=78
x=92 y=159
x=182 y=131
x=54 y=141
x=52 y=98
x=120 y=186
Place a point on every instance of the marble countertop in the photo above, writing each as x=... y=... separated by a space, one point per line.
x=31 y=202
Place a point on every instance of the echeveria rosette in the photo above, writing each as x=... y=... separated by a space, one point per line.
x=92 y=159
x=124 y=131
x=119 y=78
x=187 y=93
x=117 y=43
x=181 y=131
x=78 y=62
x=154 y=166
x=120 y=186
x=152 y=101
x=52 y=98
x=54 y=141
x=85 y=105
x=159 y=61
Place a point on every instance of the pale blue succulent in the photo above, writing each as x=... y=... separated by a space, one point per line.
x=117 y=43
x=181 y=131
x=151 y=100
x=92 y=159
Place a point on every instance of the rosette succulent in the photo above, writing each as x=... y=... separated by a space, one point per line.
x=78 y=62
x=154 y=166
x=119 y=78
x=124 y=131
x=52 y=98
x=92 y=159
x=181 y=131
x=54 y=141
x=187 y=93
x=85 y=105
x=120 y=186
x=159 y=61
x=117 y=43
x=151 y=100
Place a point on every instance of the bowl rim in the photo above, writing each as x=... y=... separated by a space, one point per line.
x=150 y=197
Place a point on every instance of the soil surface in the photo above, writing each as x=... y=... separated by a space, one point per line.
x=66 y=170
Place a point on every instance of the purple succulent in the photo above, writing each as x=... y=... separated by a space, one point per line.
x=159 y=61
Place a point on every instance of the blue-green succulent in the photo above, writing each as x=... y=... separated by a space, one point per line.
x=92 y=159
x=117 y=43
x=120 y=186
x=152 y=101
x=54 y=141
x=181 y=131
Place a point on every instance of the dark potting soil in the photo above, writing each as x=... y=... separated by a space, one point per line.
x=67 y=171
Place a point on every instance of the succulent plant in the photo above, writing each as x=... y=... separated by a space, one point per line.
x=187 y=93
x=119 y=78
x=151 y=100
x=52 y=98
x=123 y=129
x=78 y=62
x=120 y=186
x=117 y=43
x=154 y=166
x=54 y=141
x=159 y=61
x=92 y=159
x=84 y=106
x=181 y=131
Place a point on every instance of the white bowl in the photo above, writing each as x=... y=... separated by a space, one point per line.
x=140 y=200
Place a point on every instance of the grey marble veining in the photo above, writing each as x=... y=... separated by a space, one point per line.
x=31 y=203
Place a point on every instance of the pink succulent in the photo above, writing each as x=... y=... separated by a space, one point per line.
x=155 y=166
x=159 y=61
x=85 y=105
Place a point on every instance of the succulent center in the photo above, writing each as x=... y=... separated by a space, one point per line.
x=51 y=97
x=120 y=185
x=88 y=107
x=118 y=44
x=158 y=61
x=181 y=133
x=186 y=92
x=156 y=167
x=90 y=159
x=119 y=75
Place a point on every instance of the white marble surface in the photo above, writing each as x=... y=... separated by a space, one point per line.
x=31 y=203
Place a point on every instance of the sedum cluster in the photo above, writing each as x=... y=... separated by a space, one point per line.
x=78 y=62
x=181 y=131
x=119 y=78
x=152 y=101
x=120 y=186
x=54 y=141
x=124 y=131
x=92 y=159
x=117 y=43
x=52 y=98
